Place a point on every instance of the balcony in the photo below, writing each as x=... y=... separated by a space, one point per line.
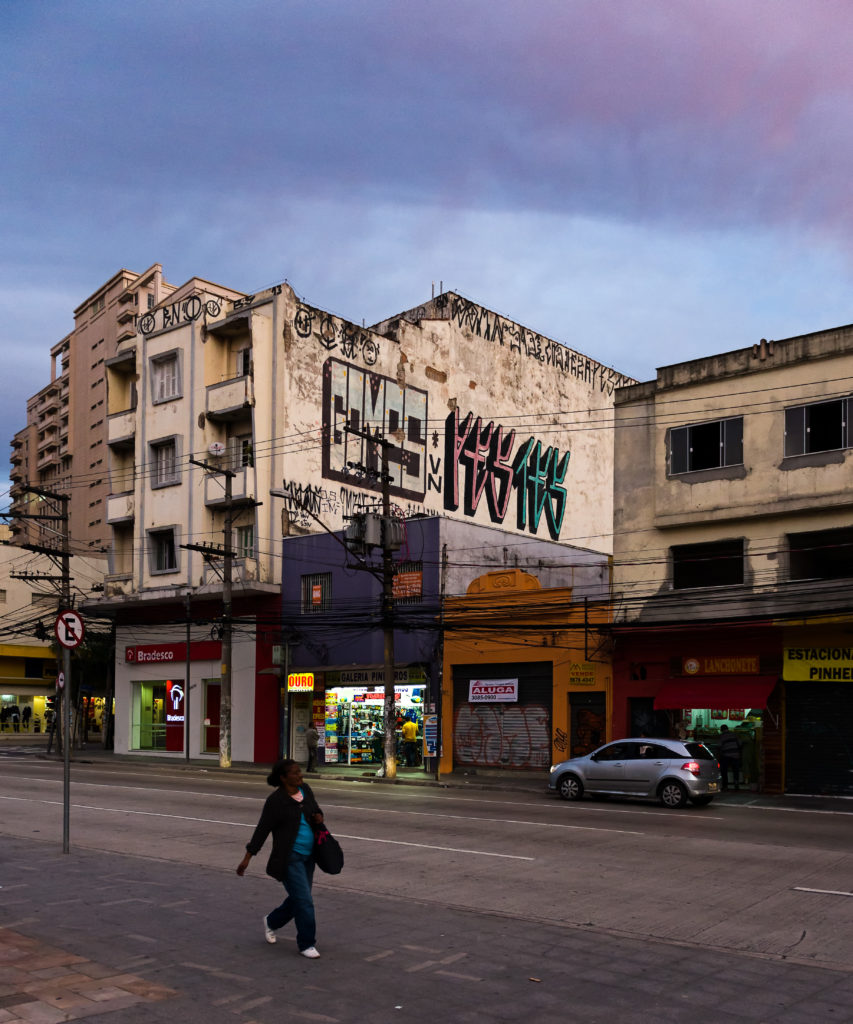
x=243 y=488
x=243 y=570
x=228 y=400
x=126 y=333
x=50 y=458
x=120 y=508
x=126 y=316
x=121 y=429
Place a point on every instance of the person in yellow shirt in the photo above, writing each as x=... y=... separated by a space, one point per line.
x=410 y=742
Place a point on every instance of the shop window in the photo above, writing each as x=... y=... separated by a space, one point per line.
x=717 y=564
x=706 y=446
x=164 y=463
x=818 y=427
x=162 y=551
x=316 y=592
x=148 y=715
x=821 y=554
x=165 y=378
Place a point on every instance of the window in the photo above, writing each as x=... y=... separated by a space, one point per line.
x=821 y=554
x=241 y=451
x=165 y=378
x=819 y=427
x=164 y=463
x=317 y=592
x=718 y=564
x=150 y=301
x=2 y=596
x=245 y=542
x=244 y=362
x=162 y=551
x=706 y=446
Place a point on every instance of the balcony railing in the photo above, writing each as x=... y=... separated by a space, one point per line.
x=120 y=507
x=121 y=428
x=228 y=399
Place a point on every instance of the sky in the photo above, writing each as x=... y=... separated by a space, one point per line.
x=647 y=181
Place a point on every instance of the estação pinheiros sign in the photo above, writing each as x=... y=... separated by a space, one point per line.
x=487 y=690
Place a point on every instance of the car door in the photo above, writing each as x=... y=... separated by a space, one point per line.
x=647 y=762
x=606 y=773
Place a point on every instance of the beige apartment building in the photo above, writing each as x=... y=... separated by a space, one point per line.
x=63 y=446
x=733 y=558
x=241 y=419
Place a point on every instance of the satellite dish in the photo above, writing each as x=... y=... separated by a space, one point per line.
x=216 y=449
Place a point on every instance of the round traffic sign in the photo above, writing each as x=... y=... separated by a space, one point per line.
x=69 y=629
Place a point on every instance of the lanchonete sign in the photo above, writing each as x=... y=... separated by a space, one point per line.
x=483 y=690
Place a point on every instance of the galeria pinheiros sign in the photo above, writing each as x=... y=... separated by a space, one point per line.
x=481 y=691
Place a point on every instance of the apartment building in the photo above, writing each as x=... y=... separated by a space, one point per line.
x=237 y=420
x=63 y=446
x=733 y=558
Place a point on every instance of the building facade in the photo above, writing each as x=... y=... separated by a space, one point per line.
x=733 y=558
x=63 y=447
x=253 y=417
x=451 y=618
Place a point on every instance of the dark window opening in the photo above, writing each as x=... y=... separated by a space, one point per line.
x=706 y=446
x=718 y=564
x=820 y=427
x=821 y=554
x=316 y=592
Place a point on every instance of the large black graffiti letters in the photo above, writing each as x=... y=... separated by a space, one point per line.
x=538 y=481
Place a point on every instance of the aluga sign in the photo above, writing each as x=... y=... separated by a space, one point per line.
x=487 y=690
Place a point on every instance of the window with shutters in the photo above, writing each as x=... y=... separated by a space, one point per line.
x=710 y=445
x=162 y=551
x=164 y=463
x=165 y=378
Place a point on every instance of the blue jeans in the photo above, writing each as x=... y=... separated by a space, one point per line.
x=298 y=906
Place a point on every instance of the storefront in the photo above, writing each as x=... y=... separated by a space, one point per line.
x=155 y=682
x=27 y=681
x=347 y=707
x=818 y=674
x=502 y=715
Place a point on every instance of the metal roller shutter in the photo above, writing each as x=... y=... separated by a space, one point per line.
x=504 y=735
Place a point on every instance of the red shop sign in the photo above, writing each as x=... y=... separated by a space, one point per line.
x=153 y=654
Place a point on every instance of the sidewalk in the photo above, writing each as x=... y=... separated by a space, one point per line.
x=35 y=745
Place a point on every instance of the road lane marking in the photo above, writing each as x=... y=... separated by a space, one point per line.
x=374 y=810
x=243 y=824
x=823 y=892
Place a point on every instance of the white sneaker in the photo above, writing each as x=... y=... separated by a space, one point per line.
x=311 y=952
x=269 y=934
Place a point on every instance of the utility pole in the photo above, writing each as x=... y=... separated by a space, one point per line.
x=389 y=710
x=227 y=554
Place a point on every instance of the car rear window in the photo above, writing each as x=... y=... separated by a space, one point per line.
x=700 y=752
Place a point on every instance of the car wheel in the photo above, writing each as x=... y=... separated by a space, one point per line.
x=570 y=787
x=673 y=794
x=702 y=801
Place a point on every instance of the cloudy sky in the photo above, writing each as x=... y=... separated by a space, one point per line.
x=645 y=180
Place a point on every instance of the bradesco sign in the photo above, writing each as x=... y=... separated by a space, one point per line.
x=489 y=690
x=150 y=654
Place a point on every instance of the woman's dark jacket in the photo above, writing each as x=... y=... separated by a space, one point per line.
x=281 y=816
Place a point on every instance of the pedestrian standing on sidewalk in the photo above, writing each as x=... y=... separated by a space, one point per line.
x=289 y=814
x=730 y=756
x=312 y=739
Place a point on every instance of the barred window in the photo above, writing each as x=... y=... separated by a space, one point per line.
x=317 y=592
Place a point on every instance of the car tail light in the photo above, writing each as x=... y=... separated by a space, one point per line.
x=691 y=766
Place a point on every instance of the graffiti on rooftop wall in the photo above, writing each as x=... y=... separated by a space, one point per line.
x=497 y=329
x=183 y=311
x=334 y=334
x=482 y=459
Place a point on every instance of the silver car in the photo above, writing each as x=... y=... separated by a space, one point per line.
x=671 y=771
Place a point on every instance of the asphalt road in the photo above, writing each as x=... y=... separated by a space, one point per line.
x=454 y=905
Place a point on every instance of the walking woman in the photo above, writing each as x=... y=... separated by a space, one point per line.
x=289 y=814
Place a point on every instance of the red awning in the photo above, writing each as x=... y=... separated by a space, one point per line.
x=716 y=692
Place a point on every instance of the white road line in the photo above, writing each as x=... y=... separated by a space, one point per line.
x=243 y=824
x=823 y=892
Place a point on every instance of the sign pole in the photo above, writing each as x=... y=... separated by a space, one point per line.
x=66 y=751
